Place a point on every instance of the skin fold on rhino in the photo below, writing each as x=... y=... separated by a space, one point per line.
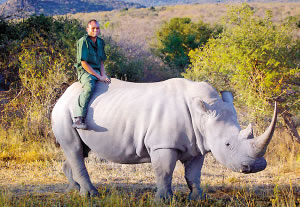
x=161 y=123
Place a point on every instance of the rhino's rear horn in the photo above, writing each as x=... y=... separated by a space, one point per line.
x=261 y=142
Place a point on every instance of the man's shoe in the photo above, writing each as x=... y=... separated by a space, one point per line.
x=79 y=123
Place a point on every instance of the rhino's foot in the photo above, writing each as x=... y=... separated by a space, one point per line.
x=72 y=186
x=91 y=192
x=163 y=195
x=197 y=195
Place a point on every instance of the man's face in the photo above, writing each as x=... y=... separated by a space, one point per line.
x=93 y=29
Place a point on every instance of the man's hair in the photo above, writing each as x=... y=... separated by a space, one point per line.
x=92 y=20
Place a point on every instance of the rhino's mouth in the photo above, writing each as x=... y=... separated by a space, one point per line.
x=258 y=165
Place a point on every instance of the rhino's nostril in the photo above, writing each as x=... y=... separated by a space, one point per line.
x=245 y=168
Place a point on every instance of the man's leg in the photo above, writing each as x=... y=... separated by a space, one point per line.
x=83 y=101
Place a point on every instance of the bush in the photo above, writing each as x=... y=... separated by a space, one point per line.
x=180 y=35
x=119 y=65
x=61 y=34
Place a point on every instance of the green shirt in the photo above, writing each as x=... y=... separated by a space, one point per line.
x=92 y=53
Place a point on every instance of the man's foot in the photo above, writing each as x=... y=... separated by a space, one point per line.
x=79 y=123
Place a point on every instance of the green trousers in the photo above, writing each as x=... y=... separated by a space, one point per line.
x=88 y=82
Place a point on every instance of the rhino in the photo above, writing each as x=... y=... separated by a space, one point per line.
x=161 y=123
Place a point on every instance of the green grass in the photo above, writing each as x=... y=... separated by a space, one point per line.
x=245 y=196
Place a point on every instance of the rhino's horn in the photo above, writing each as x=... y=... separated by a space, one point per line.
x=261 y=142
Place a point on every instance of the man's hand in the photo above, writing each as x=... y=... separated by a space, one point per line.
x=104 y=78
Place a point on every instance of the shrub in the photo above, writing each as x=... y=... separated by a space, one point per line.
x=60 y=34
x=119 y=65
x=180 y=35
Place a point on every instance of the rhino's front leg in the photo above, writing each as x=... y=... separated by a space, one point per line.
x=192 y=176
x=163 y=162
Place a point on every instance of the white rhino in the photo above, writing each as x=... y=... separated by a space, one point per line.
x=160 y=123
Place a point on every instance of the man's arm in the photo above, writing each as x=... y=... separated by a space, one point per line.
x=90 y=70
x=103 y=73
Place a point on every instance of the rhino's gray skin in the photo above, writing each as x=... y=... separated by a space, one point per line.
x=159 y=123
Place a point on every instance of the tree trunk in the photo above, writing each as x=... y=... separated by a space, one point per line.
x=292 y=128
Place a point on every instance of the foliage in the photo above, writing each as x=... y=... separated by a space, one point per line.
x=60 y=33
x=42 y=73
x=180 y=35
x=119 y=65
x=253 y=57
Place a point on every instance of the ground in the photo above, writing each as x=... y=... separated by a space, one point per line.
x=219 y=183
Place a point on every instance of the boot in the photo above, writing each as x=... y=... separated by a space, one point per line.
x=79 y=123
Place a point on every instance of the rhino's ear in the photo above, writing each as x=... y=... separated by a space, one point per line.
x=227 y=97
x=200 y=105
x=247 y=133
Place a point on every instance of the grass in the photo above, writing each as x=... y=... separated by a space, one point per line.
x=128 y=192
x=42 y=183
x=16 y=147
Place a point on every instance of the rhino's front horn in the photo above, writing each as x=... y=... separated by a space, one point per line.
x=261 y=142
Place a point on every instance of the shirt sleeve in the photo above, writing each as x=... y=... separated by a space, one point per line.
x=82 y=50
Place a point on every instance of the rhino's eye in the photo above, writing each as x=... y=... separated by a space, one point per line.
x=227 y=144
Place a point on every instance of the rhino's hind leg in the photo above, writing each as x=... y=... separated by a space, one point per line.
x=68 y=172
x=75 y=151
x=163 y=162
x=192 y=177
x=75 y=158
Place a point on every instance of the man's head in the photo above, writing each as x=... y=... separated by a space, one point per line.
x=93 y=28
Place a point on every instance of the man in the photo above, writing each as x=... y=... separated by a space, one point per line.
x=90 y=69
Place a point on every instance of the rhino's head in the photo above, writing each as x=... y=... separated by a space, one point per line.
x=237 y=149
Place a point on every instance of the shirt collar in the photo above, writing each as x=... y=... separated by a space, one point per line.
x=91 y=41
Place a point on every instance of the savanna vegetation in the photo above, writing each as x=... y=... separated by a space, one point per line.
x=254 y=56
x=179 y=36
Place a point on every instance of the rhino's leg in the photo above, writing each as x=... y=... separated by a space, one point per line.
x=192 y=176
x=68 y=172
x=73 y=185
x=163 y=162
x=75 y=151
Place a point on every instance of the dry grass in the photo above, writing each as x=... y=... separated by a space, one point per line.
x=44 y=182
x=137 y=27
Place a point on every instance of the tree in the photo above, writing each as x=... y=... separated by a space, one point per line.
x=178 y=36
x=257 y=60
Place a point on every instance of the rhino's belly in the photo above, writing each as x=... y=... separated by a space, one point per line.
x=119 y=149
x=125 y=159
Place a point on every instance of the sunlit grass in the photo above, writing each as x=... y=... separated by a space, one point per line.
x=15 y=147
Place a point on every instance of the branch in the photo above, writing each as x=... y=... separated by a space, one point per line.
x=291 y=126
